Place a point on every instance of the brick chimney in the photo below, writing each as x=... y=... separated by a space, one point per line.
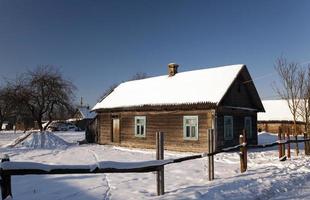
x=172 y=69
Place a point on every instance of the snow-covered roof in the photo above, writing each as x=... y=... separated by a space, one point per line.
x=86 y=113
x=276 y=110
x=198 y=86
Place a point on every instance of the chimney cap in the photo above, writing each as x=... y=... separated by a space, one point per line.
x=173 y=65
x=172 y=69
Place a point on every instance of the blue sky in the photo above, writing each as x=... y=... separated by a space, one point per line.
x=98 y=43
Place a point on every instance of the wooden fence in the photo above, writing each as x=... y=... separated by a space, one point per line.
x=9 y=168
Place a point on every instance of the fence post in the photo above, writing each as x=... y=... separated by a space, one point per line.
x=242 y=163
x=6 y=189
x=296 y=144
x=308 y=144
x=211 y=150
x=160 y=156
x=288 y=144
x=305 y=143
x=245 y=149
x=283 y=145
x=306 y=136
x=280 y=146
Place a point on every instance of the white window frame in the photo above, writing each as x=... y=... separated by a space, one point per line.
x=196 y=127
x=249 y=133
x=144 y=126
x=230 y=137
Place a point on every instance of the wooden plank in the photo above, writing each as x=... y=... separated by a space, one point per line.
x=242 y=163
x=6 y=190
x=160 y=156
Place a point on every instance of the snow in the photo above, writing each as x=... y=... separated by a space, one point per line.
x=86 y=113
x=187 y=87
x=91 y=167
x=266 y=177
x=44 y=140
x=7 y=137
x=275 y=110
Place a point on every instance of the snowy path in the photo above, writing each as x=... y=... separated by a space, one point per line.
x=300 y=192
x=266 y=178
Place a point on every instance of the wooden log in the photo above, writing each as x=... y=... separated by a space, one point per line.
x=305 y=143
x=283 y=145
x=245 y=154
x=160 y=156
x=296 y=145
x=6 y=189
x=288 y=144
x=280 y=146
x=211 y=158
x=308 y=144
x=242 y=163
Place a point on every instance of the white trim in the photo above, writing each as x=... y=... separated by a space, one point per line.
x=240 y=108
x=144 y=126
x=195 y=117
x=232 y=127
x=249 y=134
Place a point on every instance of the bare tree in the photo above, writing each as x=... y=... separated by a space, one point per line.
x=43 y=92
x=304 y=107
x=6 y=108
x=137 y=76
x=292 y=79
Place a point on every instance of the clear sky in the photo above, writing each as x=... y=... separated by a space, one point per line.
x=98 y=43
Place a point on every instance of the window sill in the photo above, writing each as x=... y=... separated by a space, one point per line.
x=140 y=136
x=191 y=139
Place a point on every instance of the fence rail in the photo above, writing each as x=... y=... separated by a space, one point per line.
x=10 y=168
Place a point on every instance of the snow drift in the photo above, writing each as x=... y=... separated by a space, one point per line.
x=44 y=140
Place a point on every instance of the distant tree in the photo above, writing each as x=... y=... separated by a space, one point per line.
x=304 y=107
x=6 y=108
x=137 y=76
x=292 y=78
x=43 y=93
x=108 y=91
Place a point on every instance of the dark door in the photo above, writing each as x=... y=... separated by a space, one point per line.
x=115 y=130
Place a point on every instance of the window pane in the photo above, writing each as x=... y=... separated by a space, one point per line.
x=142 y=130
x=193 y=131
x=138 y=130
x=228 y=127
x=188 y=131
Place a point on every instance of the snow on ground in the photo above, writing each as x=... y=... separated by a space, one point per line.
x=266 y=178
x=43 y=140
x=8 y=136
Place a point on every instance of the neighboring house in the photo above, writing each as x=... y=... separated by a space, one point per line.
x=277 y=115
x=185 y=106
x=7 y=125
x=82 y=117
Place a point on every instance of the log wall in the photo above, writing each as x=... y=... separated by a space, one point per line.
x=171 y=123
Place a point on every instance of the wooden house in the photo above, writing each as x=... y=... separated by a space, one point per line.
x=185 y=106
x=278 y=115
x=82 y=117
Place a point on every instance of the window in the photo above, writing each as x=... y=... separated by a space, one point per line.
x=140 y=122
x=228 y=128
x=190 y=127
x=248 y=126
